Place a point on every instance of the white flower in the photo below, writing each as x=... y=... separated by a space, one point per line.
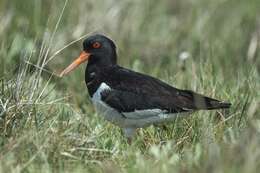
x=184 y=55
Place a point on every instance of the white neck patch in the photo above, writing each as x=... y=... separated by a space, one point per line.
x=97 y=95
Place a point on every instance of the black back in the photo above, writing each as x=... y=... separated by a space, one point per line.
x=135 y=91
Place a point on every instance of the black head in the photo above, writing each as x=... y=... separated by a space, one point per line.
x=98 y=50
x=102 y=50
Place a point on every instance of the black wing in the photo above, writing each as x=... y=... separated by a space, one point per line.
x=135 y=91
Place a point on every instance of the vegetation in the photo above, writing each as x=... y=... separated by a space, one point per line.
x=48 y=124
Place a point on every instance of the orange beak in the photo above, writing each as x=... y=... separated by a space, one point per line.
x=82 y=58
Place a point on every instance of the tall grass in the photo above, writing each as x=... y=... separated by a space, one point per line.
x=48 y=124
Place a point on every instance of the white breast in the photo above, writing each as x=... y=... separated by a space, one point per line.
x=105 y=110
x=97 y=95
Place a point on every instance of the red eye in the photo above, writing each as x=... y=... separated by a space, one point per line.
x=96 y=45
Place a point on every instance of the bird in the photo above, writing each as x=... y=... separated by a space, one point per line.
x=130 y=99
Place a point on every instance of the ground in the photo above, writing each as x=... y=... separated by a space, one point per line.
x=48 y=123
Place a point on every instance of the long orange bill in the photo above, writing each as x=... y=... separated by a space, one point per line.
x=82 y=58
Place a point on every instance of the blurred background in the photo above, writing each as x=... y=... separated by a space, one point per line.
x=223 y=35
x=208 y=46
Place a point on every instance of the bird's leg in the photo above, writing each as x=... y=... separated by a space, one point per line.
x=129 y=140
x=129 y=133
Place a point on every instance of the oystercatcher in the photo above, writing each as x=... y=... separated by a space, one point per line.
x=130 y=99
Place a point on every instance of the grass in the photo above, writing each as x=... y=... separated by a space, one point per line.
x=48 y=124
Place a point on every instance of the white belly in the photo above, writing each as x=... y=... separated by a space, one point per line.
x=136 y=119
x=106 y=111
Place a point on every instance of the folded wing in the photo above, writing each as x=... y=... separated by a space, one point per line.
x=138 y=92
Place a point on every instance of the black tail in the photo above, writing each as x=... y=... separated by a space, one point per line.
x=215 y=104
x=198 y=101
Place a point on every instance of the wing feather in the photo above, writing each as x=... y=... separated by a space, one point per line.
x=134 y=91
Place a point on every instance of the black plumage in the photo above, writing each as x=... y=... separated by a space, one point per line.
x=130 y=99
x=135 y=91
